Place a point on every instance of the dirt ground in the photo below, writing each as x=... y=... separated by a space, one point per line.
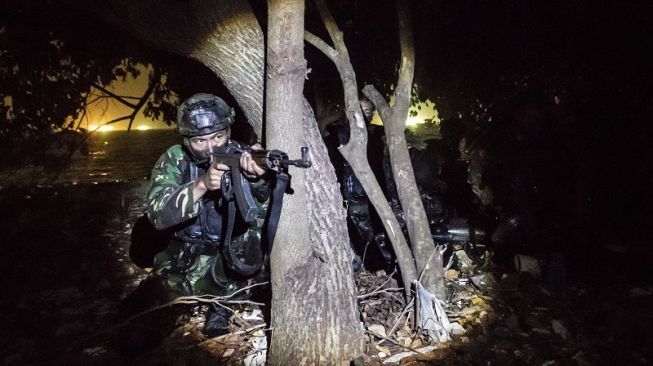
x=67 y=270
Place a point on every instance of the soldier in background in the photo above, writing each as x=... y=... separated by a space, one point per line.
x=364 y=224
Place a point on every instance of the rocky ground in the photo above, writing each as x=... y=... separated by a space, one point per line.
x=68 y=269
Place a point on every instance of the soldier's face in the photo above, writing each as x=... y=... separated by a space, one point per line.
x=203 y=146
x=368 y=110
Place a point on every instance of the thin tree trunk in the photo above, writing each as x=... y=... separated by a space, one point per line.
x=427 y=257
x=355 y=151
x=314 y=309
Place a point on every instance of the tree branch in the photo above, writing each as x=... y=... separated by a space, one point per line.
x=153 y=82
x=407 y=68
x=331 y=27
x=116 y=120
x=379 y=101
x=318 y=43
x=113 y=95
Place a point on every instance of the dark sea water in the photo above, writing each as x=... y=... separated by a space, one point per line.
x=115 y=156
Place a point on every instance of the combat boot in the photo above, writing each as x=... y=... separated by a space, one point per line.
x=217 y=321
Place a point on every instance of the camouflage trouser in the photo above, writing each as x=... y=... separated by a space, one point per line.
x=186 y=270
x=194 y=282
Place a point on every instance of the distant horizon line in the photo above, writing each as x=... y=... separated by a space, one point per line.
x=133 y=129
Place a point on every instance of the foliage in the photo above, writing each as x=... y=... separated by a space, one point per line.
x=56 y=62
x=36 y=66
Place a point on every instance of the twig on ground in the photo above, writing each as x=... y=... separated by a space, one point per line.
x=184 y=300
x=387 y=279
x=364 y=254
x=244 y=331
x=393 y=341
x=399 y=300
x=247 y=288
x=384 y=291
x=189 y=300
x=223 y=299
x=428 y=263
x=405 y=311
x=246 y=355
x=450 y=263
x=376 y=290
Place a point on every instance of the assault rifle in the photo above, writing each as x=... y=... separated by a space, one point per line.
x=248 y=259
x=236 y=184
x=456 y=234
x=456 y=230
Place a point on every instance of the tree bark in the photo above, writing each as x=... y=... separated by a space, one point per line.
x=427 y=257
x=311 y=268
x=224 y=35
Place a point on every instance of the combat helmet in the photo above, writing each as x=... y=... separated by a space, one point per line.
x=203 y=114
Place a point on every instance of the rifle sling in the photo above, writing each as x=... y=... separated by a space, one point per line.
x=275 y=206
x=276 y=203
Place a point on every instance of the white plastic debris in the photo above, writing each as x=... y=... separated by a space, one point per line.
x=259 y=344
x=432 y=317
x=256 y=314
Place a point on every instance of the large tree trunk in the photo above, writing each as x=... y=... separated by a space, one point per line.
x=224 y=35
x=312 y=277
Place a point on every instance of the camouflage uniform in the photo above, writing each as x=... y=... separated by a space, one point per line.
x=196 y=227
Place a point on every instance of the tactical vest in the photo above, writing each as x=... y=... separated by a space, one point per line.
x=351 y=187
x=206 y=228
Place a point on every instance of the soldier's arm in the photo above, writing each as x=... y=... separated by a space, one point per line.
x=170 y=201
x=258 y=179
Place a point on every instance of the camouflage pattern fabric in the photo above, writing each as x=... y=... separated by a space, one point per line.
x=196 y=281
x=170 y=202
x=170 y=199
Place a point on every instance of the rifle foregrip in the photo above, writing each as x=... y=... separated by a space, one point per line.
x=261 y=159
